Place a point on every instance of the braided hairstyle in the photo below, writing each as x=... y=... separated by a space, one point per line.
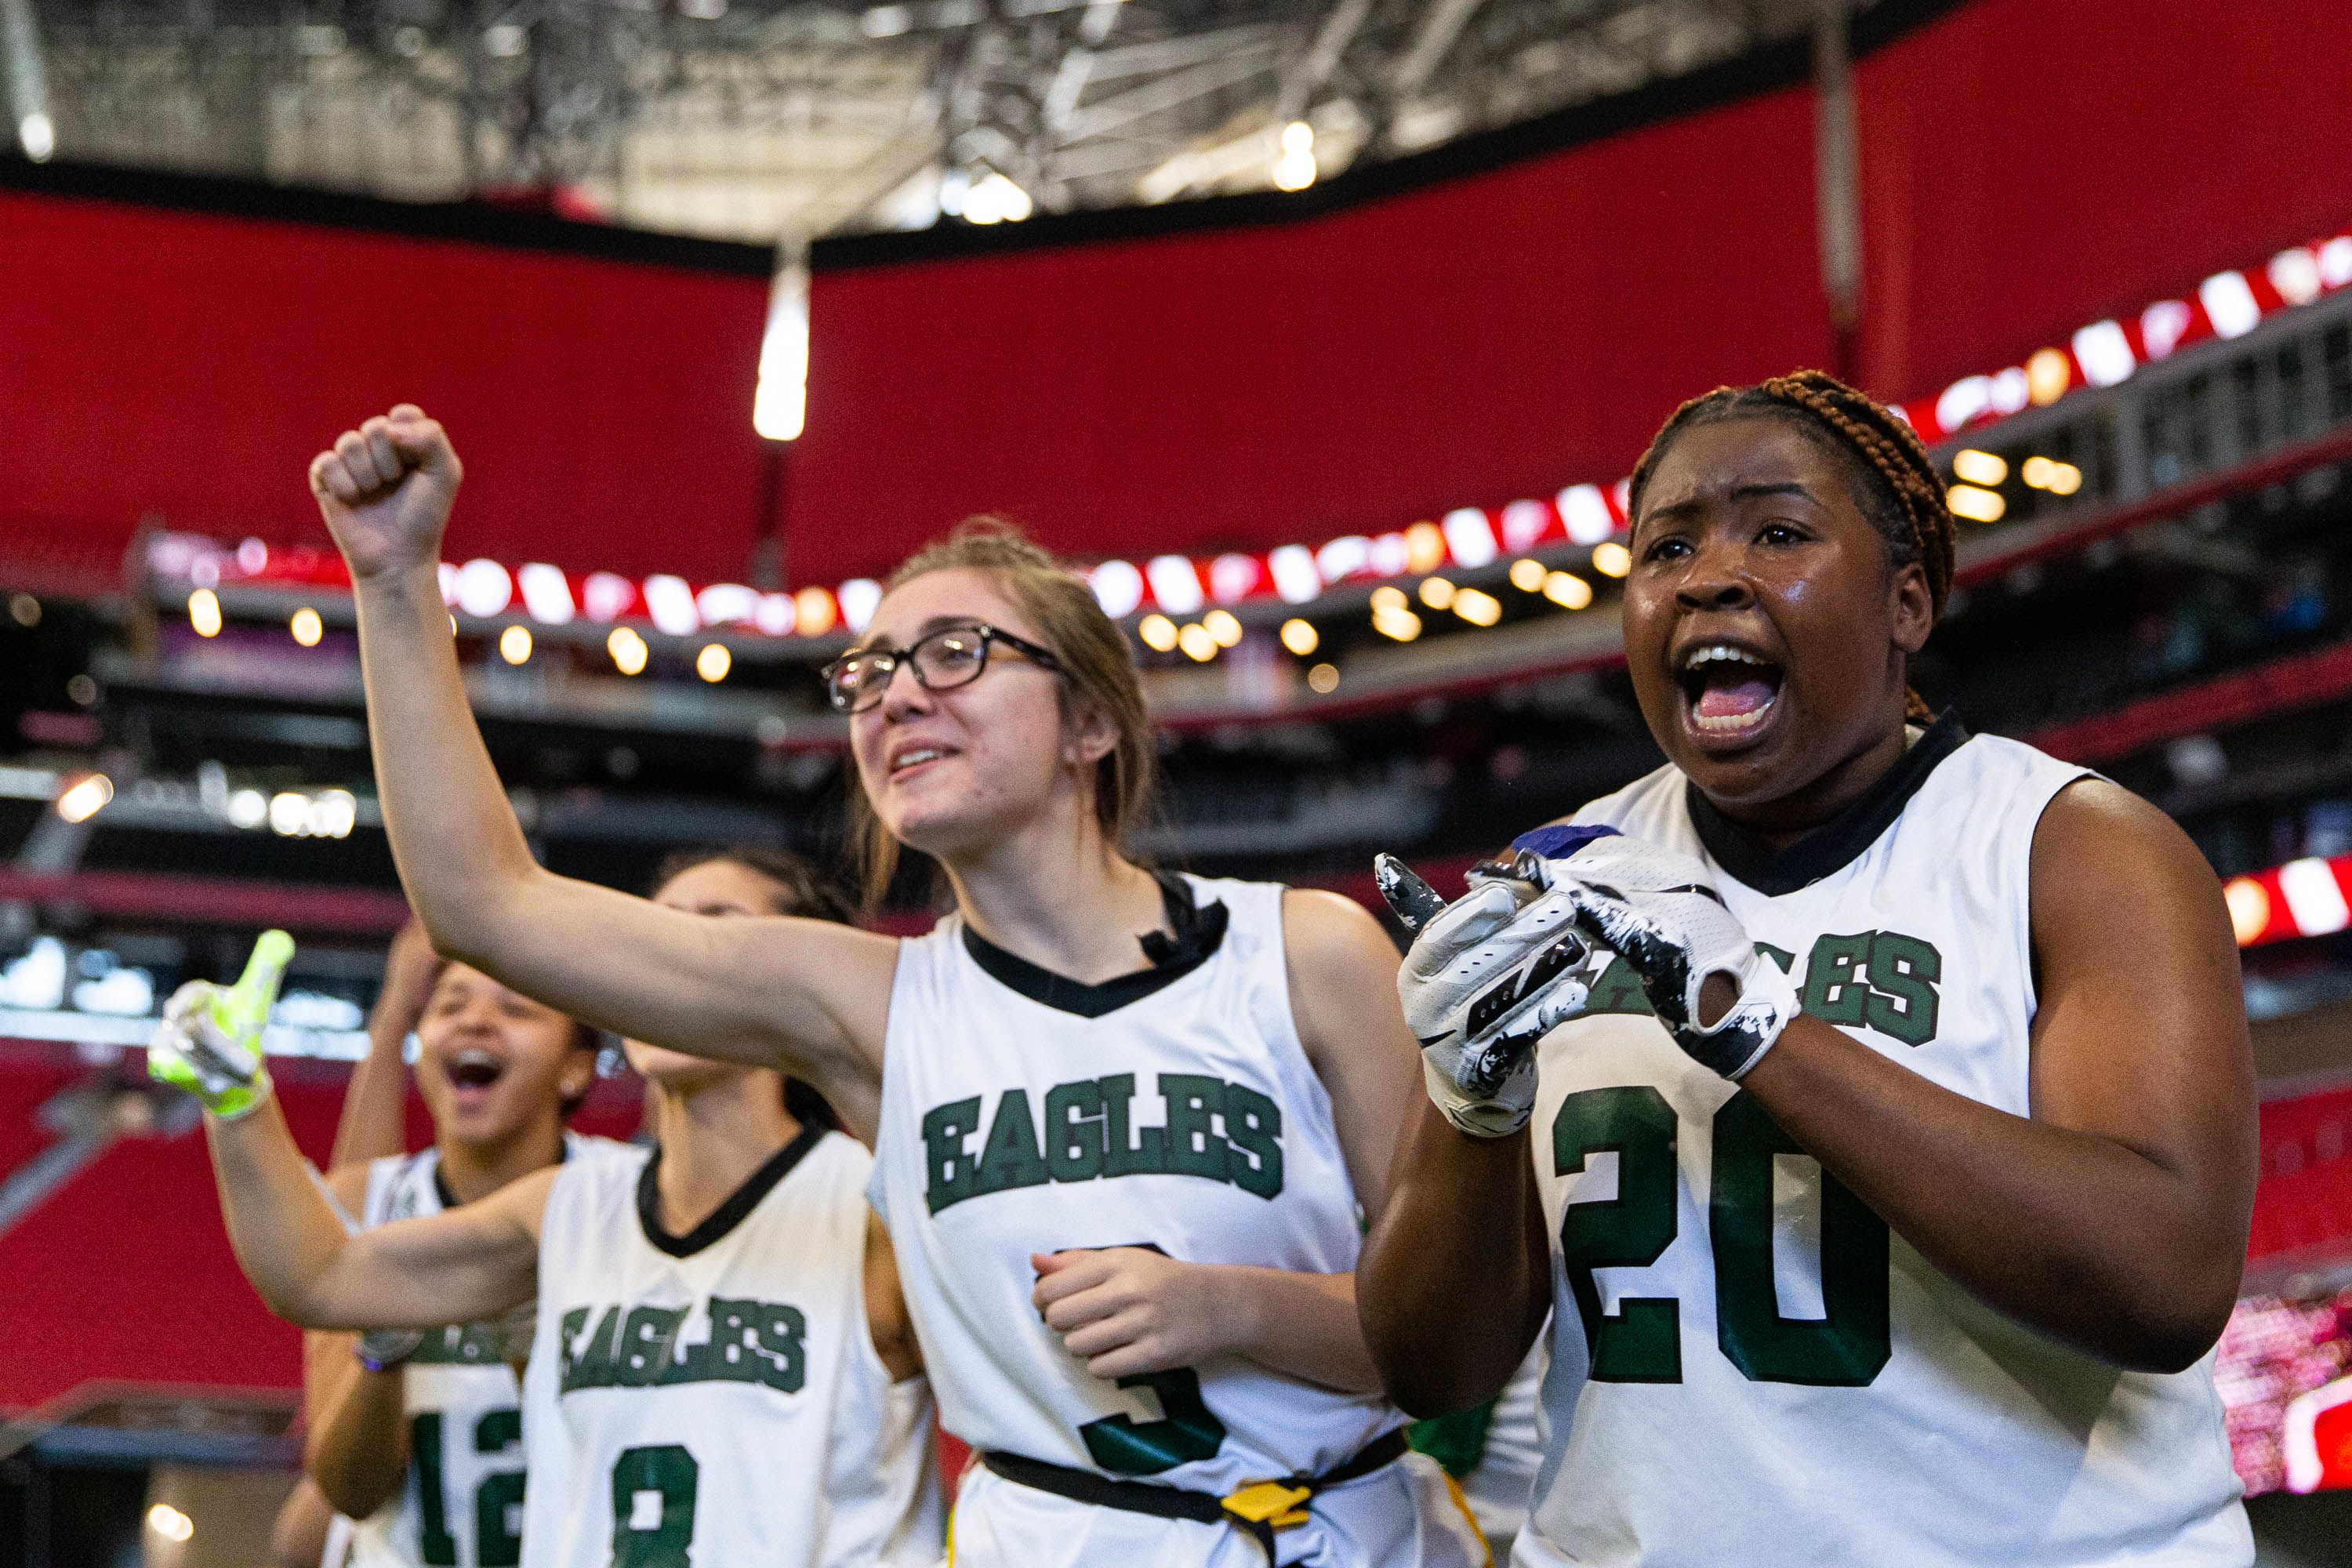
x=1895 y=481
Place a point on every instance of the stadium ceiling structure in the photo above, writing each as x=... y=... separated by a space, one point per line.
x=769 y=123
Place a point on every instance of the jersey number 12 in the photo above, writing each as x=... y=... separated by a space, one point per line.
x=1642 y=1342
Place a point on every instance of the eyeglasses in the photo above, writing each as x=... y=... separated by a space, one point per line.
x=940 y=660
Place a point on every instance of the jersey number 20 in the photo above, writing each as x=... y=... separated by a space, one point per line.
x=1642 y=1342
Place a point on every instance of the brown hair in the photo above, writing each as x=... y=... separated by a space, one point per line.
x=800 y=890
x=1895 y=481
x=1097 y=675
x=805 y=891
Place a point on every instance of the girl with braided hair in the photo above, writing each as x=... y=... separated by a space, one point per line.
x=1868 y=1103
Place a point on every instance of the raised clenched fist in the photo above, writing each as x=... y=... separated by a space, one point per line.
x=385 y=491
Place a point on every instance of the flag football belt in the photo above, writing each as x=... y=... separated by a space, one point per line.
x=1258 y=1510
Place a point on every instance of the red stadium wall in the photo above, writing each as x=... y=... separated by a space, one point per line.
x=2029 y=168
x=1473 y=341
x=189 y=364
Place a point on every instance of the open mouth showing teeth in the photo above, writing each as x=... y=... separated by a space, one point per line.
x=1730 y=691
x=915 y=758
x=476 y=1069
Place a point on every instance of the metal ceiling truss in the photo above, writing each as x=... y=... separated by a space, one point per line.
x=768 y=120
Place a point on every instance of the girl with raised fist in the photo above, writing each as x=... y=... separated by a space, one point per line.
x=1124 y=1124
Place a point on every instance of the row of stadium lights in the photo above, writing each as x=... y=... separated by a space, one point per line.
x=1174 y=588
x=629 y=650
x=289 y=814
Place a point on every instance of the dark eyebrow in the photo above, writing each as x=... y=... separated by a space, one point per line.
x=1737 y=492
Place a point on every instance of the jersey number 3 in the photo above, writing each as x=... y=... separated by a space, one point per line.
x=1642 y=1342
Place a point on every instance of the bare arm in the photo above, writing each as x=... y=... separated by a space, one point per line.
x=454 y=1266
x=356 y=1448
x=374 y=1122
x=886 y=1319
x=807 y=996
x=298 y=1538
x=1457 y=1276
x=2113 y=1220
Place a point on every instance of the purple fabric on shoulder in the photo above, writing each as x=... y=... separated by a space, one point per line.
x=1558 y=842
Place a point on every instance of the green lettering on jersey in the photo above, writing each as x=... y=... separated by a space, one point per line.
x=644 y=1346
x=1194 y=1148
x=1254 y=1129
x=1147 y=1154
x=1074 y=1131
x=1216 y=1131
x=1012 y=1158
x=1880 y=979
x=945 y=1127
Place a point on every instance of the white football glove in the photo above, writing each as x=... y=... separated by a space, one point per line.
x=1659 y=910
x=1487 y=977
x=209 y=1042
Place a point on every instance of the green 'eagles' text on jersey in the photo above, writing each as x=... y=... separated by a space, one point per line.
x=1216 y=1131
x=1745 y=1366
x=1185 y=1118
x=715 y=1398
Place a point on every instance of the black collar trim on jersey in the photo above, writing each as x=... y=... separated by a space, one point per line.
x=727 y=1216
x=1835 y=844
x=1195 y=931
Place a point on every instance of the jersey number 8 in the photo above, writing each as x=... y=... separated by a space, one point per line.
x=1642 y=1342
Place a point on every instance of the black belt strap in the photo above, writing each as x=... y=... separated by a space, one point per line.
x=1174 y=1502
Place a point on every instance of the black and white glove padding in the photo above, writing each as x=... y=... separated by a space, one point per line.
x=1659 y=910
x=1487 y=977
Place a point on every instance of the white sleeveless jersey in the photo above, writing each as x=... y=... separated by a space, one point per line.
x=1186 y=1118
x=715 y=1399
x=1746 y=1366
x=461 y=1506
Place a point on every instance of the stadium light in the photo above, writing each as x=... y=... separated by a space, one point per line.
x=1480 y=609
x=713 y=662
x=1225 y=626
x=38 y=134
x=1323 y=679
x=1199 y=646
x=306 y=626
x=992 y=198
x=514 y=645
x=1437 y=593
x=1528 y=574
x=1157 y=632
x=780 y=404
x=1294 y=167
x=204 y=613
x=1979 y=467
x=1567 y=590
x=1300 y=638
x=170 y=1523
x=1613 y=559
x=1976 y=505
x=628 y=650
x=85 y=797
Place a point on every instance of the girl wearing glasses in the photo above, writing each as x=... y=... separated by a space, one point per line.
x=1124 y=1124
